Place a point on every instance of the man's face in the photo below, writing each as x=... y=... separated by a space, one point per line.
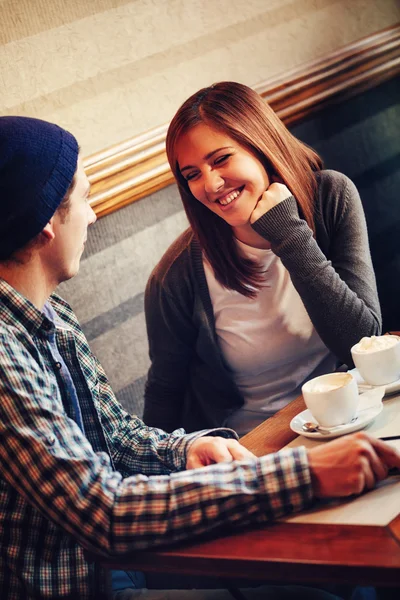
x=70 y=230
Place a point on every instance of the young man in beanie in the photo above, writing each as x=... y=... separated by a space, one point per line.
x=76 y=471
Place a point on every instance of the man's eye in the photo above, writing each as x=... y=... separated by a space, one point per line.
x=221 y=159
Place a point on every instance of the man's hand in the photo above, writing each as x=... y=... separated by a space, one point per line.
x=350 y=465
x=276 y=193
x=209 y=450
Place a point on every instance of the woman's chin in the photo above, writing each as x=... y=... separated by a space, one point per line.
x=239 y=222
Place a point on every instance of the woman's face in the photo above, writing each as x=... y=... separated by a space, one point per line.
x=221 y=173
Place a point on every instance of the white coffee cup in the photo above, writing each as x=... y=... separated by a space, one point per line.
x=378 y=359
x=332 y=399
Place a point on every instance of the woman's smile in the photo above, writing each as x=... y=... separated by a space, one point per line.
x=227 y=200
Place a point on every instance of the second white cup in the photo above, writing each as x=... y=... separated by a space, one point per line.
x=332 y=399
x=378 y=359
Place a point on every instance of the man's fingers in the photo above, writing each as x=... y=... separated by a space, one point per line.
x=379 y=468
x=207 y=450
x=238 y=451
x=220 y=452
x=373 y=468
x=376 y=467
x=387 y=453
x=368 y=475
x=350 y=465
x=194 y=463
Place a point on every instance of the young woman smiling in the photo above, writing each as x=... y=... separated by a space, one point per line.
x=272 y=283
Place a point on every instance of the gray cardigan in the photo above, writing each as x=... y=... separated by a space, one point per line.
x=188 y=382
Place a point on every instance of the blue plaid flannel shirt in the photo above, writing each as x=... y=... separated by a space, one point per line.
x=117 y=488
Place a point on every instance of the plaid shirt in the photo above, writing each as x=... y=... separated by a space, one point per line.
x=117 y=488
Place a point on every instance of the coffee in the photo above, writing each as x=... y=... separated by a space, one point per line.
x=319 y=386
x=375 y=343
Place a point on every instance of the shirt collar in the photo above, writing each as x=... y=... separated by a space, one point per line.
x=16 y=309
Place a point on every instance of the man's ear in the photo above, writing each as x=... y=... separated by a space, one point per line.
x=48 y=230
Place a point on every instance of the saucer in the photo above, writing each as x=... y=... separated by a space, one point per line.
x=362 y=385
x=363 y=418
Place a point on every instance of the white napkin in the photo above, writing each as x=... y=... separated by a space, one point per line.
x=363 y=386
x=371 y=398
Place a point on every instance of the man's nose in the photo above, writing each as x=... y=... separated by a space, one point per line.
x=92 y=218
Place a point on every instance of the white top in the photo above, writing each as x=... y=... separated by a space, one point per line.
x=269 y=343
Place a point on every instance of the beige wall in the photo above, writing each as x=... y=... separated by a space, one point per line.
x=110 y=69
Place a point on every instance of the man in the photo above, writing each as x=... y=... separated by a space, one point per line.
x=76 y=471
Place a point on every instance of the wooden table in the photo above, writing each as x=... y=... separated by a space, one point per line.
x=287 y=550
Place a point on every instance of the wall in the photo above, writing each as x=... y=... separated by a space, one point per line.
x=111 y=69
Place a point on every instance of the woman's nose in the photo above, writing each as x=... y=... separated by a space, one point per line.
x=213 y=182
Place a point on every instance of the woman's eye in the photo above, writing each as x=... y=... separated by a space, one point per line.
x=221 y=159
x=191 y=176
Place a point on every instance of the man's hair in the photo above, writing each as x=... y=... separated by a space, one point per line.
x=239 y=112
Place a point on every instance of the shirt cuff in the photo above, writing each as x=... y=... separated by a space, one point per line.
x=181 y=444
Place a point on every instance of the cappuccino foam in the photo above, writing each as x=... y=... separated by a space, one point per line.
x=334 y=382
x=375 y=343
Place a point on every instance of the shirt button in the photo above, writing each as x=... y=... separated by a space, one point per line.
x=51 y=440
x=57 y=365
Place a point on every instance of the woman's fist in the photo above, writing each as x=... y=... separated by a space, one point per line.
x=270 y=198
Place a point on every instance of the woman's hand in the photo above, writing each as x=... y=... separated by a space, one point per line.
x=276 y=193
x=350 y=465
x=209 y=450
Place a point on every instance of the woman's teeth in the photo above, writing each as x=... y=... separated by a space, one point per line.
x=228 y=199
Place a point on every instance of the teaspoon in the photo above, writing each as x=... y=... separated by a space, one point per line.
x=313 y=427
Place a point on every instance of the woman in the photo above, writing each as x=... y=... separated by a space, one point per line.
x=273 y=282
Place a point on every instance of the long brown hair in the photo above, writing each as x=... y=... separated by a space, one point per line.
x=239 y=112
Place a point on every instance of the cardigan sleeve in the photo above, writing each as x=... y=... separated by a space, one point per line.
x=339 y=292
x=171 y=335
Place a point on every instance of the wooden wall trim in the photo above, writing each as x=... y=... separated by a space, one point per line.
x=138 y=167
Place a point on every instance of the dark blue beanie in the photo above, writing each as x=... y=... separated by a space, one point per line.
x=38 y=161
